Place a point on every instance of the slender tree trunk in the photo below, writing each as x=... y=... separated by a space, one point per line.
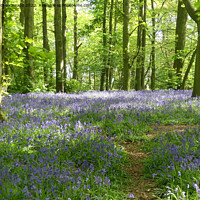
x=22 y=12
x=28 y=34
x=4 y=35
x=104 y=69
x=126 y=65
x=113 y=45
x=143 y=45
x=180 y=41
x=59 y=47
x=110 y=60
x=139 y=45
x=153 y=67
x=75 y=71
x=1 y=37
x=45 y=41
x=64 y=17
x=188 y=70
x=2 y=117
x=94 y=77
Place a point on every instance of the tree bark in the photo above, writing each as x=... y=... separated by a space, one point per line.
x=4 y=35
x=192 y=12
x=28 y=34
x=2 y=116
x=59 y=47
x=64 y=17
x=22 y=12
x=143 y=45
x=138 y=85
x=110 y=61
x=196 y=87
x=126 y=64
x=103 y=71
x=188 y=70
x=75 y=70
x=1 y=49
x=94 y=77
x=45 y=41
x=180 y=41
x=153 y=67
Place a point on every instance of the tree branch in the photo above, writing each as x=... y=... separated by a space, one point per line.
x=191 y=10
x=79 y=46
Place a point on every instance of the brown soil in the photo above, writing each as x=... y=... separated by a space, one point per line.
x=141 y=188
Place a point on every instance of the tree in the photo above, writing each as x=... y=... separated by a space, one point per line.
x=45 y=40
x=4 y=34
x=75 y=70
x=152 y=55
x=194 y=15
x=182 y=87
x=59 y=47
x=110 y=60
x=112 y=41
x=22 y=12
x=103 y=71
x=143 y=45
x=64 y=17
x=2 y=117
x=180 y=41
x=28 y=35
x=126 y=65
x=138 y=85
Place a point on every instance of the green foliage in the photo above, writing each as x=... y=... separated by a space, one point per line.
x=91 y=51
x=76 y=86
x=73 y=86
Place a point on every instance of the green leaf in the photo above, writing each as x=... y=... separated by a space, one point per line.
x=28 y=40
x=197 y=5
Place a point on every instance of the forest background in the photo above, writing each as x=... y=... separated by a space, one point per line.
x=71 y=46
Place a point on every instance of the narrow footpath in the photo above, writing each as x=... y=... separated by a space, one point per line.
x=141 y=188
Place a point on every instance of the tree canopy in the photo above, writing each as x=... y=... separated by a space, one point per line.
x=100 y=45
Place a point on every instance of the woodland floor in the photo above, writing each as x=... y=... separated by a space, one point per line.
x=137 y=185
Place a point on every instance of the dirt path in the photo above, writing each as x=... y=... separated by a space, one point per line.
x=141 y=188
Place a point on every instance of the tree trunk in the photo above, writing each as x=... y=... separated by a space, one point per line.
x=113 y=46
x=45 y=41
x=104 y=48
x=193 y=14
x=196 y=87
x=1 y=66
x=64 y=17
x=2 y=117
x=59 y=47
x=139 y=44
x=94 y=77
x=4 y=35
x=110 y=60
x=22 y=12
x=75 y=71
x=143 y=45
x=188 y=70
x=153 y=67
x=28 y=34
x=126 y=65
x=180 y=41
